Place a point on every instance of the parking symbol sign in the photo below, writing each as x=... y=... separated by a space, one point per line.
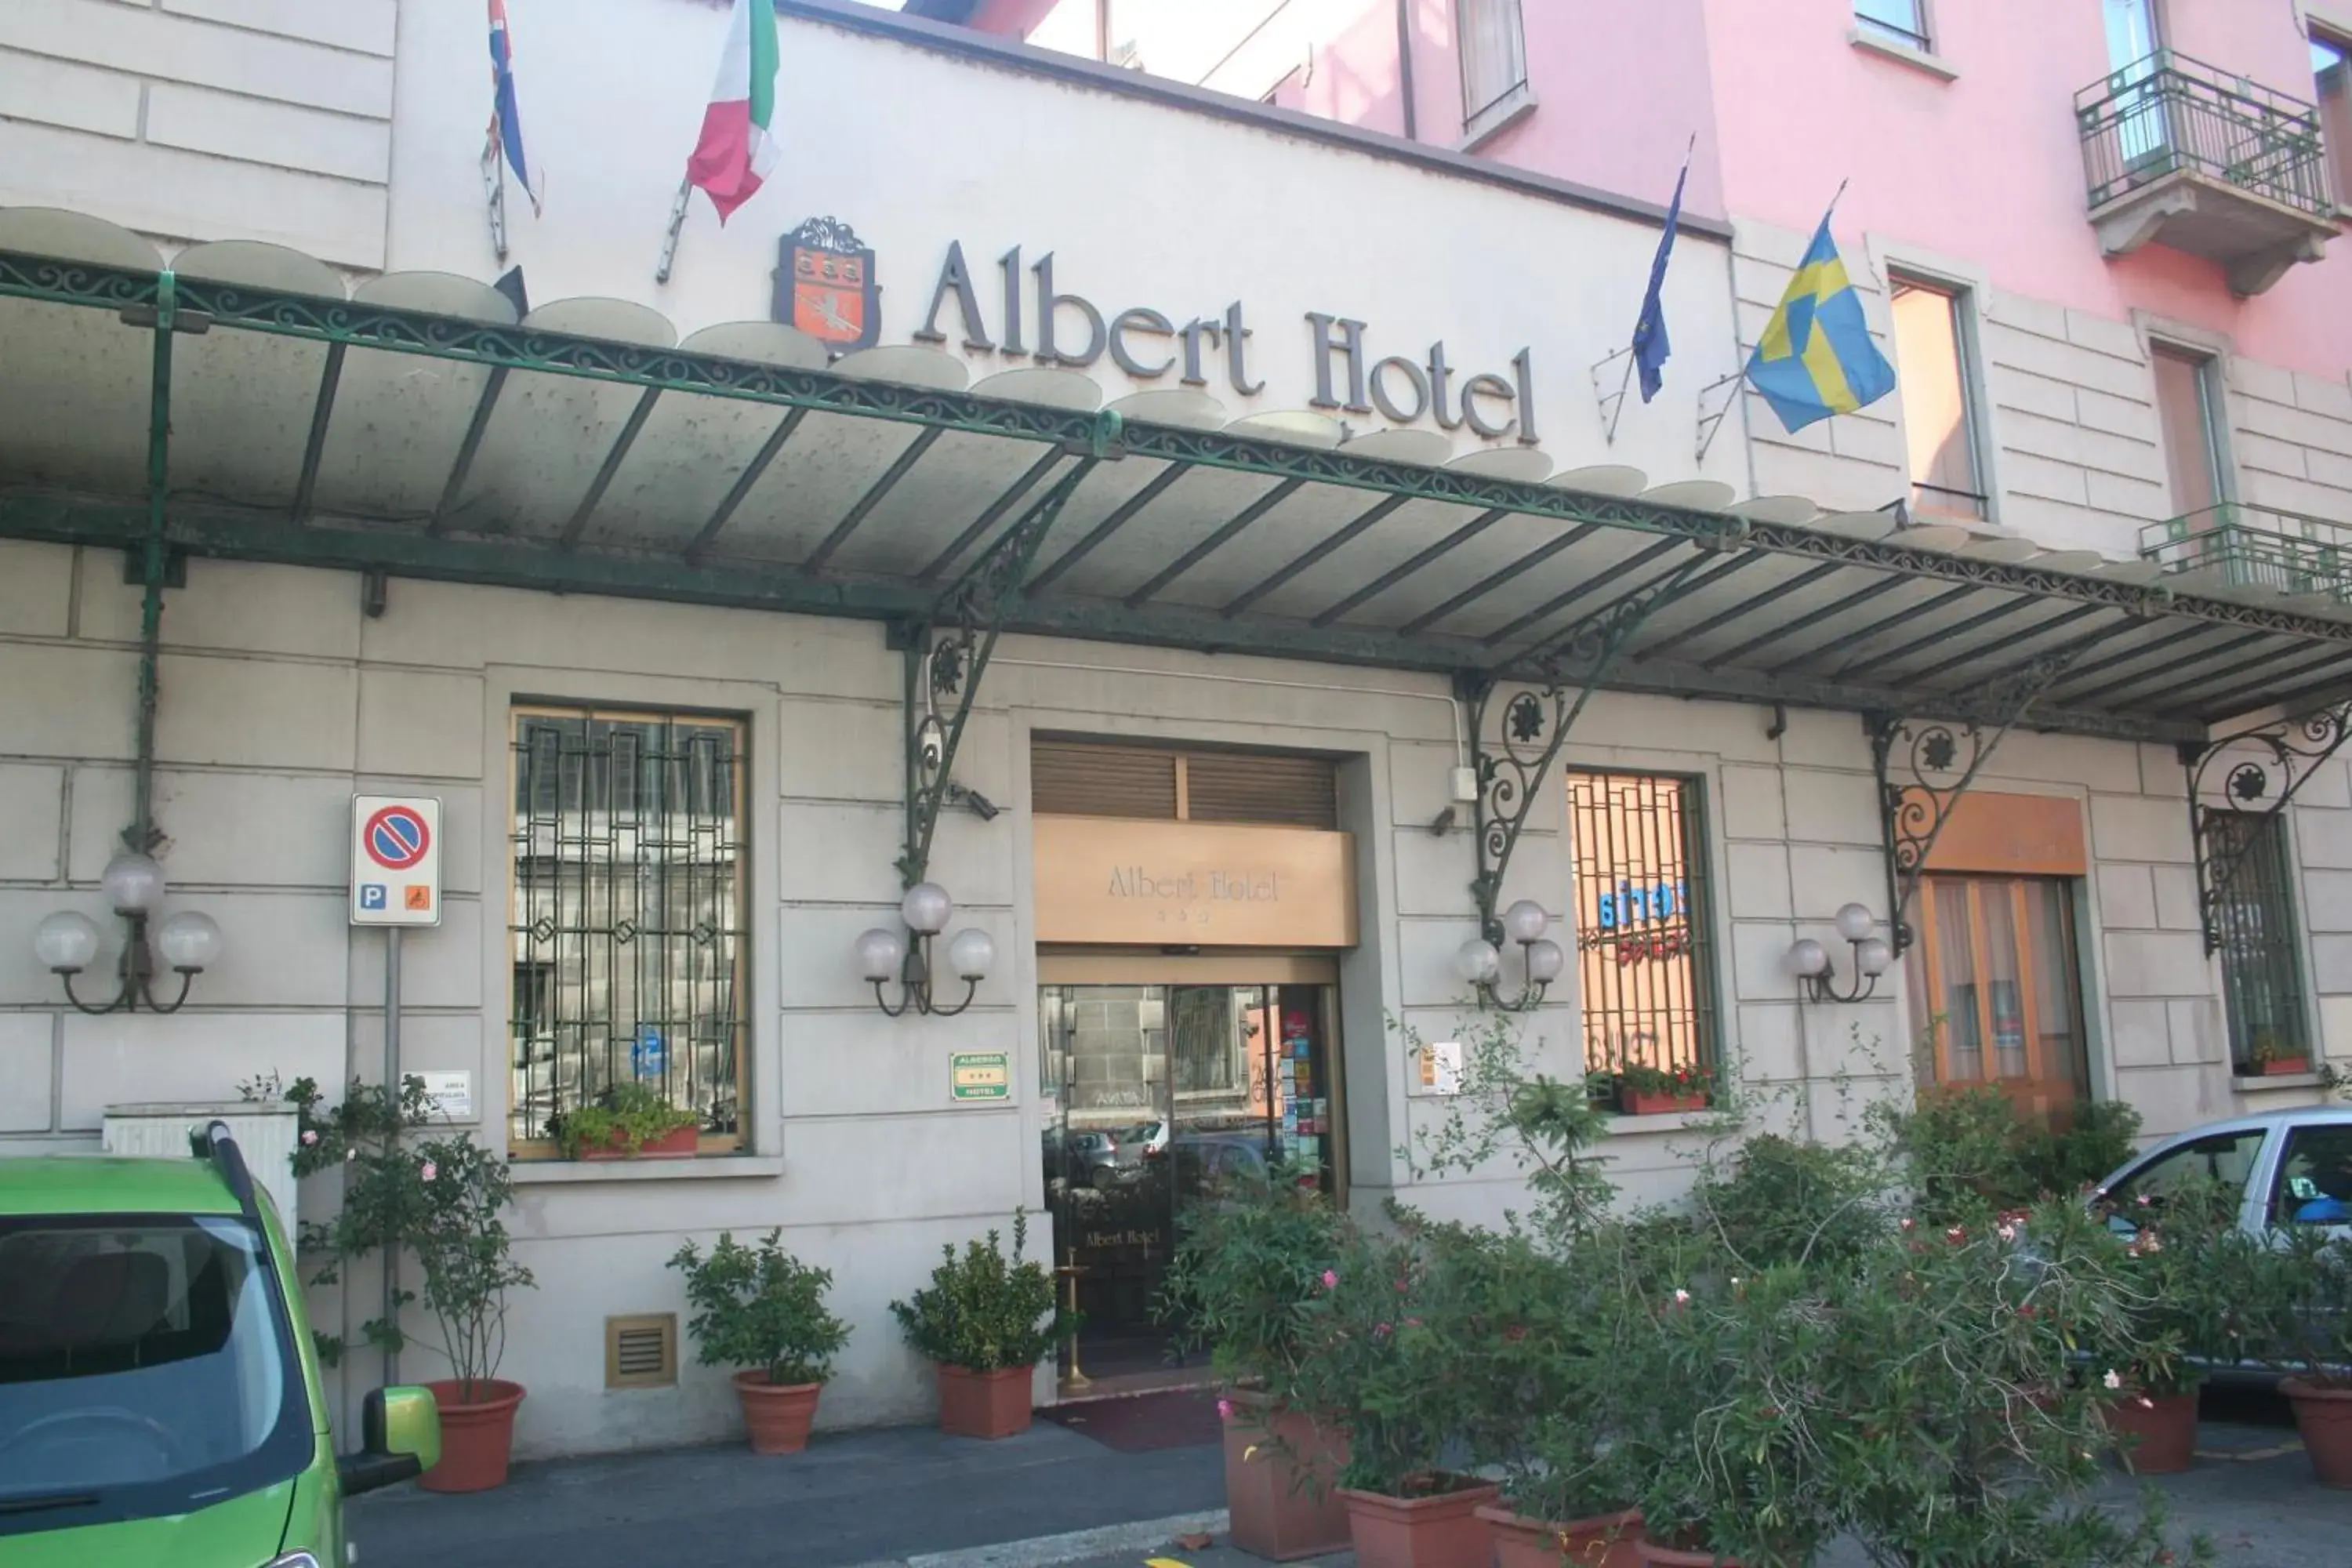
x=372 y=895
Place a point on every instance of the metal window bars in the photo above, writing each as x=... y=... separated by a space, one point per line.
x=2252 y=910
x=1643 y=937
x=2170 y=114
x=629 y=925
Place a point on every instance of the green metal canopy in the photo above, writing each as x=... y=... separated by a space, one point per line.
x=416 y=428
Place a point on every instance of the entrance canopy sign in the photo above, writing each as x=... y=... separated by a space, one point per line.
x=1189 y=884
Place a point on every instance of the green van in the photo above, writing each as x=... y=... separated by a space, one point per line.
x=160 y=1398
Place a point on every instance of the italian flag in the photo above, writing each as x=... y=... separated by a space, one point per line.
x=736 y=150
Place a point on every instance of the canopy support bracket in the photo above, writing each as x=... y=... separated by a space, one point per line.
x=947 y=653
x=1910 y=756
x=2241 y=780
x=1534 y=725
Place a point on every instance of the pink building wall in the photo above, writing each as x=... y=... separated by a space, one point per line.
x=1988 y=168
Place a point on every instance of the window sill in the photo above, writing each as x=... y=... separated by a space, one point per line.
x=1667 y=1122
x=709 y=1168
x=1902 y=53
x=2259 y=1083
x=1497 y=117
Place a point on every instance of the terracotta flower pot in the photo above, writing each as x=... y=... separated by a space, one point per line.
x=1437 y=1529
x=677 y=1143
x=1280 y=1476
x=476 y=1435
x=777 y=1414
x=1641 y=1102
x=1605 y=1540
x=2279 y=1067
x=2323 y=1416
x=984 y=1403
x=2159 y=1431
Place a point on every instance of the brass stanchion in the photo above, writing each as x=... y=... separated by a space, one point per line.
x=1069 y=1271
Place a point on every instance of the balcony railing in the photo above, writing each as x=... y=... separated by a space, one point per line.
x=2169 y=114
x=2254 y=546
x=2207 y=162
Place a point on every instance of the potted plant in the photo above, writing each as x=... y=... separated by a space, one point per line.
x=461 y=1190
x=762 y=1310
x=2273 y=1060
x=1380 y=1349
x=1644 y=1090
x=627 y=1121
x=2182 y=1277
x=987 y=1320
x=1242 y=1270
x=2305 y=1287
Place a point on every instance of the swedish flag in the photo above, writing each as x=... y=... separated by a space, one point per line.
x=1816 y=358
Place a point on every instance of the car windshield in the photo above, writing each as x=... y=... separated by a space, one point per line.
x=145 y=1368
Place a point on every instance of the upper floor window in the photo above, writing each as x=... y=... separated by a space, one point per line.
x=2331 y=70
x=1939 y=417
x=1494 y=63
x=1901 y=22
x=2188 y=409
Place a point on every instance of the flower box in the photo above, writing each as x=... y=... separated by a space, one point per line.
x=1649 y=1102
x=2279 y=1067
x=677 y=1143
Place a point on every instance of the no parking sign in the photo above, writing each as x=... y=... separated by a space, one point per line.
x=396 y=860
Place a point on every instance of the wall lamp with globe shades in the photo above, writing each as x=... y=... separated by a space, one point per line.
x=66 y=943
x=883 y=955
x=1479 y=961
x=1812 y=964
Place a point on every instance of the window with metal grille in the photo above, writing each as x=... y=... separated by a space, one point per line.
x=1643 y=938
x=2254 y=916
x=1093 y=778
x=628 y=924
x=1494 y=62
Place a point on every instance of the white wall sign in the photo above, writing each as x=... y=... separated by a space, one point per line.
x=1441 y=1068
x=451 y=1094
x=396 y=860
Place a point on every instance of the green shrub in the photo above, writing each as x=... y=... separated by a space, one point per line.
x=1788 y=1203
x=984 y=1311
x=1970 y=1152
x=627 y=1114
x=1242 y=1268
x=2103 y=1135
x=761 y=1308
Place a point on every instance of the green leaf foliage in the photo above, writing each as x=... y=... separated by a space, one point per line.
x=761 y=1307
x=985 y=1311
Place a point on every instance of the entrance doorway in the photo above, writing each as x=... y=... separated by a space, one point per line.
x=1161 y=1094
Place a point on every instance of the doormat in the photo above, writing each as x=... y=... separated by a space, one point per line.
x=1180 y=1418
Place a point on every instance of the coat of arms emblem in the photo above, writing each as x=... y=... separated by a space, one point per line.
x=825 y=287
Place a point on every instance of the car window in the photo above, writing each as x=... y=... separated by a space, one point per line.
x=2226 y=1158
x=2315 y=1178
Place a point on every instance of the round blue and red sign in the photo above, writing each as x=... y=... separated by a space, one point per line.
x=396 y=837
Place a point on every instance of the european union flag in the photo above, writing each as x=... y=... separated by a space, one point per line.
x=1650 y=345
x=1816 y=358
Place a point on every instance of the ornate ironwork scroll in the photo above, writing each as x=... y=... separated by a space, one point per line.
x=1923 y=769
x=2240 y=778
x=948 y=654
x=1535 y=724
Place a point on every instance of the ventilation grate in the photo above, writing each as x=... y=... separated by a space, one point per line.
x=640 y=1350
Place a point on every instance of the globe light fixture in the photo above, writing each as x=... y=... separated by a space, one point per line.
x=1816 y=971
x=66 y=943
x=1479 y=963
x=884 y=956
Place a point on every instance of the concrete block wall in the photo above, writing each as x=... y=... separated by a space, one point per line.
x=2069 y=416
x=195 y=120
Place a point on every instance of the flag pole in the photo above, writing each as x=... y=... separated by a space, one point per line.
x=676 y=222
x=494 y=187
x=1624 y=387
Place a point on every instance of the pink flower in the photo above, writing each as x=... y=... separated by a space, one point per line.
x=1382 y=1330
x=1225 y=1409
x=2113 y=1380
x=1412 y=1322
x=2008 y=1233
x=309 y=1138
x=1681 y=1298
x=1330 y=1279
x=427 y=1171
x=1909 y=1222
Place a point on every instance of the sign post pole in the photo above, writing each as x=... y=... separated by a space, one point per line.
x=395 y=884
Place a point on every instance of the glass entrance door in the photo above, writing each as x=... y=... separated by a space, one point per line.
x=1162 y=1098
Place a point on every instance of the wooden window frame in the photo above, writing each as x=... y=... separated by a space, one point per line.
x=1929 y=949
